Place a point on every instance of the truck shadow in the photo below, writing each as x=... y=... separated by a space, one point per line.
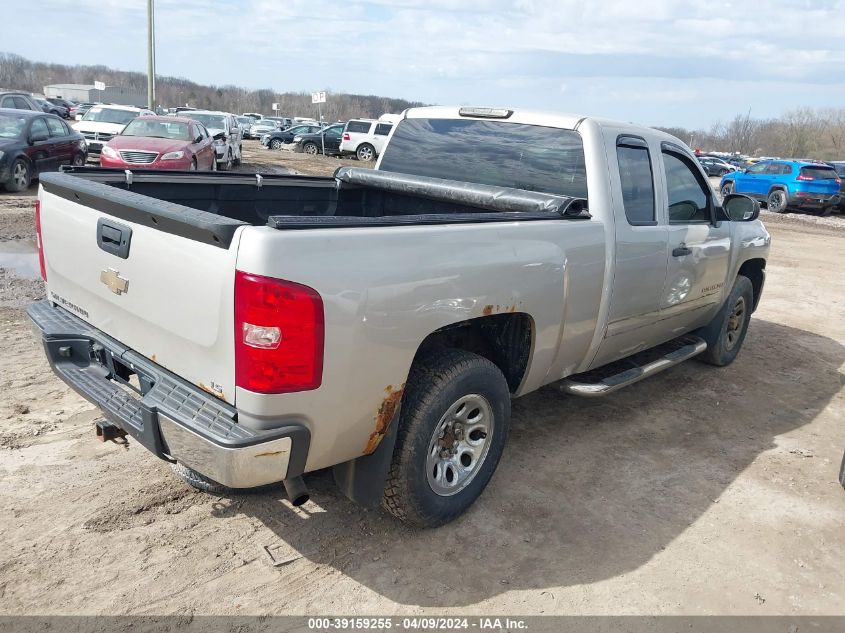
x=586 y=490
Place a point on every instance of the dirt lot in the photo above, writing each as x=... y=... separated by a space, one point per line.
x=698 y=491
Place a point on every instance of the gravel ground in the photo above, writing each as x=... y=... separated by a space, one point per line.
x=698 y=491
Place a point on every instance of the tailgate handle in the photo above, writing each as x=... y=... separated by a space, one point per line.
x=114 y=237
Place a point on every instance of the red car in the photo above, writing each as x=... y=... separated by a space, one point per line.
x=161 y=142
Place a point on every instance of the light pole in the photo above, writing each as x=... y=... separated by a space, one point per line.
x=151 y=56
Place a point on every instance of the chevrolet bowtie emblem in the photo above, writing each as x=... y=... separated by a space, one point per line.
x=117 y=284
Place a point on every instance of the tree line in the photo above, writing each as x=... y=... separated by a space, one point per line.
x=801 y=133
x=19 y=73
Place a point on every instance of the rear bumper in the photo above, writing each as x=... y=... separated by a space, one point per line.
x=813 y=200
x=172 y=418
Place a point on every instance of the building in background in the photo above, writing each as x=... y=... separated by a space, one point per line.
x=83 y=93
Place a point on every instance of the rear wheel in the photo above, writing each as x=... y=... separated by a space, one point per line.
x=78 y=160
x=725 y=334
x=826 y=211
x=453 y=427
x=20 y=176
x=366 y=152
x=776 y=202
x=276 y=143
x=311 y=148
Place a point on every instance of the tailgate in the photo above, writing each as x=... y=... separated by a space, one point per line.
x=169 y=297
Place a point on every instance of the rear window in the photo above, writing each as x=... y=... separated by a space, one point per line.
x=530 y=157
x=819 y=173
x=840 y=169
x=358 y=126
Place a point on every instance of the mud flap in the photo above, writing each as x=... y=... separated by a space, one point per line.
x=362 y=479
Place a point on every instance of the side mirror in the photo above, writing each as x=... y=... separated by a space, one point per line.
x=740 y=208
x=219 y=136
x=198 y=139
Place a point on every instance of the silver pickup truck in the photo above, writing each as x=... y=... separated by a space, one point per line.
x=250 y=329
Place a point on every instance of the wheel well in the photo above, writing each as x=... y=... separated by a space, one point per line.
x=754 y=269
x=503 y=339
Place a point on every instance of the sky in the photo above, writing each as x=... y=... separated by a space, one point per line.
x=687 y=63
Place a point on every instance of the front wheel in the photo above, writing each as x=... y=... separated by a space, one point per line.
x=20 y=176
x=276 y=143
x=727 y=189
x=453 y=427
x=237 y=160
x=725 y=334
x=227 y=166
x=776 y=202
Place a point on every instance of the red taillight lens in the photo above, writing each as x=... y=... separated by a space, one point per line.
x=346 y=136
x=279 y=333
x=802 y=177
x=39 y=240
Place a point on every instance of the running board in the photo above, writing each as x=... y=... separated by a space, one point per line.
x=603 y=380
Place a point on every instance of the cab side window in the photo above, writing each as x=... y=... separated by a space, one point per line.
x=689 y=201
x=637 y=180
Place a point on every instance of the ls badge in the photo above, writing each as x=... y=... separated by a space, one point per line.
x=114 y=282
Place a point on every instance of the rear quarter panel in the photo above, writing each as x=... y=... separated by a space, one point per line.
x=386 y=289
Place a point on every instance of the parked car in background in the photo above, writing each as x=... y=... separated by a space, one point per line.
x=254 y=115
x=715 y=166
x=32 y=143
x=787 y=184
x=261 y=127
x=18 y=101
x=82 y=109
x=224 y=128
x=101 y=122
x=365 y=138
x=313 y=143
x=161 y=142
x=70 y=106
x=839 y=166
x=51 y=108
x=244 y=122
x=275 y=140
x=283 y=122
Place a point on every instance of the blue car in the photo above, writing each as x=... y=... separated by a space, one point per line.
x=787 y=184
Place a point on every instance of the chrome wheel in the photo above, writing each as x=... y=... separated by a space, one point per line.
x=459 y=445
x=310 y=148
x=276 y=144
x=727 y=189
x=366 y=153
x=20 y=175
x=736 y=319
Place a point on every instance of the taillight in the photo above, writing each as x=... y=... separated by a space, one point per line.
x=279 y=334
x=803 y=177
x=346 y=136
x=39 y=240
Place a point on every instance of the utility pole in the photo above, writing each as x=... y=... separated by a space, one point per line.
x=151 y=56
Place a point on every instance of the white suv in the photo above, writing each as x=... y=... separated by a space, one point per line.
x=228 y=137
x=102 y=122
x=365 y=138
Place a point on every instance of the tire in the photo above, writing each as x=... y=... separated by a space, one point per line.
x=237 y=161
x=727 y=189
x=445 y=389
x=842 y=472
x=227 y=166
x=776 y=201
x=725 y=334
x=276 y=143
x=78 y=160
x=193 y=166
x=200 y=482
x=20 y=176
x=311 y=149
x=214 y=162
x=366 y=152
x=826 y=211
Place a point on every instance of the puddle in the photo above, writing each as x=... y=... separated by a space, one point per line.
x=21 y=257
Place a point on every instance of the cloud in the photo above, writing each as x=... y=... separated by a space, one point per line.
x=455 y=51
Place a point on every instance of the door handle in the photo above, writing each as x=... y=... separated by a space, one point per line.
x=680 y=251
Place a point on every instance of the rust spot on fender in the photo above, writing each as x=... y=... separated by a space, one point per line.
x=386 y=412
x=269 y=453
x=498 y=309
x=213 y=392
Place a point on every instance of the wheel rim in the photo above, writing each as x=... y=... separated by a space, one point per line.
x=19 y=175
x=733 y=328
x=776 y=200
x=365 y=153
x=459 y=445
x=276 y=144
x=727 y=190
x=311 y=149
x=77 y=161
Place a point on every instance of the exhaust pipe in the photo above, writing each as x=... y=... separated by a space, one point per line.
x=297 y=491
